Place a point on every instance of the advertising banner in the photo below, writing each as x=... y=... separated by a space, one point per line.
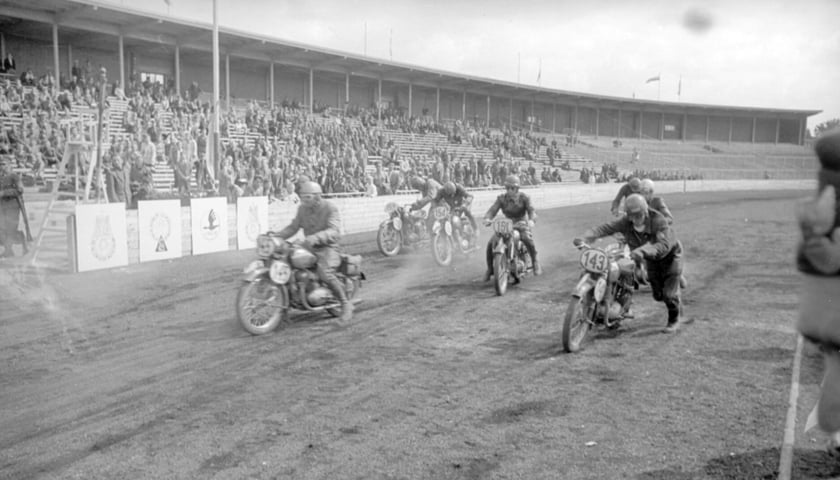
x=159 y=229
x=251 y=220
x=101 y=240
x=209 y=222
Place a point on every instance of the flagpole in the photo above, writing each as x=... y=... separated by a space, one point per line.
x=518 y=65
x=216 y=85
x=659 y=87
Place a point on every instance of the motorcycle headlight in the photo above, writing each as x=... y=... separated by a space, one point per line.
x=279 y=272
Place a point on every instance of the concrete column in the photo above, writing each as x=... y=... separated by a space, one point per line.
x=576 y=118
x=121 y=47
x=56 y=54
x=437 y=104
x=227 y=81
x=271 y=83
x=597 y=121
x=708 y=123
x=311 y=89
x=752 y=137
x=730 y=130
x=177 y=69
x=464 y=106
x=379 y=101
x=488 y=111
x=510 y=112
x=347 y=89
x=641 y=123
x=662 y=126
x=2 y=45
x=69 y=61
x=554 y=118
x=410 y=92
x=801 y=139
x=619 y=123
x=778 y=127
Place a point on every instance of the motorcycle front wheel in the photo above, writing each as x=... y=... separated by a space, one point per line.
x=389 y=240
x=500 y=273
x=576 y=323
x=261 y=306
x=442 y=249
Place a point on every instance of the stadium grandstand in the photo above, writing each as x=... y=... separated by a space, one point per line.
x=357 y=125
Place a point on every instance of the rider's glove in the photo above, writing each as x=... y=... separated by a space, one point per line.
x=308 y=242
x=578 y=241
x=823 y=253
x=637 y=255
x=614 y=212
x=487 y=222
x=530 y=224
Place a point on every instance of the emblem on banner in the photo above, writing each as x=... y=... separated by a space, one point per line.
x=103 y=244
x=212 y=227
x=253 y=228
x=161 y=228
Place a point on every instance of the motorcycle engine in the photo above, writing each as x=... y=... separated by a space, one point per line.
x=318 y=296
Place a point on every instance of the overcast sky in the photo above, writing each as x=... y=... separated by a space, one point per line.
x=761 y=53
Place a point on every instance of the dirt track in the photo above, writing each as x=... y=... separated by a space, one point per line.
x=143 y=372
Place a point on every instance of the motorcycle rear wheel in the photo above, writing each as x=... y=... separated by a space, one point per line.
x=442 y=249
x=576 y=322
x=351 y=285
x=389 y=240
x=261 y=295
x=500 y=273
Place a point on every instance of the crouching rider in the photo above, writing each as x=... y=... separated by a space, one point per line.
x=516 y=206
x=321 y=226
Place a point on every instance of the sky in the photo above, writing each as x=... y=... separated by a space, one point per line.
x=749 y=53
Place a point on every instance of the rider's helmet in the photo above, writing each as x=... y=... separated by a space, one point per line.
x=512 y=181
x=310 y=193
x=449 y=189
x=647 y=188
x=637 y=209
x=635 y=184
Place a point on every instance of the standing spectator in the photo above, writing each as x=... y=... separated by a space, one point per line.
x=11 y=197
x=9 y=65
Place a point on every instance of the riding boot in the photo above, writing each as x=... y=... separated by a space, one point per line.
x=346 y=305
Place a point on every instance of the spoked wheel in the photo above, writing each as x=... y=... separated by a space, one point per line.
x=442 y=249
x=351 y=286
x=500 y=274
x=576 y=323
x=261 y=306
x=389 y=240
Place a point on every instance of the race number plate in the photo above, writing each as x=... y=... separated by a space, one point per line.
x=594 y=260
x=502 y=226
x=441 y=212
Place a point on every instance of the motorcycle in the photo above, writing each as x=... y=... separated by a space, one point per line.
x=603 y=294
x=403 y=228
x=283 y=277
x=451 y=232
x=511 y=260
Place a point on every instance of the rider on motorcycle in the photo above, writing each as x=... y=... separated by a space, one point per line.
x=321 y=226
x=634 y=185
x=455 y=195
x=516 y=206
x=651 y=239
x=428 y=191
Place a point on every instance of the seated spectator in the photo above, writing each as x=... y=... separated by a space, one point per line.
x=27 y=79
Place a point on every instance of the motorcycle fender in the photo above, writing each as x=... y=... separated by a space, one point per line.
x=500 y=247
x=447 y=227
x=397 y=221
x=584 y=285
x=255 y=275
x=436 y=228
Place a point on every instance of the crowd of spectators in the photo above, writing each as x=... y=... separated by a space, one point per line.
x=266 y=149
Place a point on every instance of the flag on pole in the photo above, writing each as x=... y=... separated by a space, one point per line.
x=539 y=73
x=679 y=87
x=652 y=79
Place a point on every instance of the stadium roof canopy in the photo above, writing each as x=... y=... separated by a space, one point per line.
x=90 y=24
